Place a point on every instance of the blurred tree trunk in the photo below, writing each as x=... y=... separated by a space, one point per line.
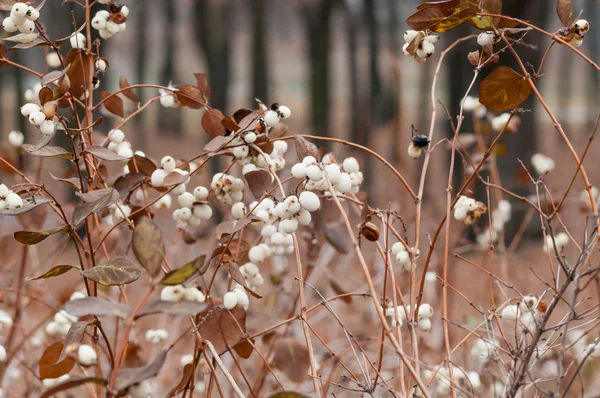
x=352 y=27
x=259 y=53
x=212 y=31
x=140 y=134
x=318 y=28
x=169 y=118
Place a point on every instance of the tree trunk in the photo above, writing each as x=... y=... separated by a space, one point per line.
x=259 y=53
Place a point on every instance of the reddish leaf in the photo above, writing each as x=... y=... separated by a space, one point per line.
x=440 y=16
x=221 y=327
x=503 y=89
x=148 y=246
x=258 y=182
x=190 y=96
x=79 y=71
x=94 y=201
x=564 y=9
x=55 y=271
x=217 y=143
x=129 y=93
x=202 y=82
x=74 y=336
x=103 y=153
x=186 y=377
x=124 y=184
x=230 y=124
x=114 y=104
x=240 y=114
x=174 y=178
x=45 y=95
x=49 y=368
x=211 y=122
x=305 y=148
x=244 y=348
x=141 y=164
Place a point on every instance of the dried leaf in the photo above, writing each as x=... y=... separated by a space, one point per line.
x=244 y=348
x=96 y=306
x=118 y=271
x=258 y=182
x=54 y=76
x=236 y=274
x=130 y=376
x=49 y=368
x=74 y=182
x=55 y=271
x=129 y=93
x=440 y=16
x=179 y=276
x=114 y=104
x=291 y=357
x=144 y=165
x=564 y=9
x=48 y=151
x=45 y=95
x=230 y=124
x=186 y=377
x=503 y=89
x=230 y=227
x=217 y=143
x=305 y=148
x=73 y=382
x=190 y=96
x=220 y=327
x=240 y=114
x=174 y=178
x=103 y=153
x=202 y=82
x=74 y=336
x=94 y=201
x=211 y=122
x=180 y=308
x=79 y=71
x=148 y=245
x=34 y=237
x=28 y=205
x=124 y=184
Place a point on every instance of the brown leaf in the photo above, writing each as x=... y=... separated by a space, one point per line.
x=182 y=274
x=48 y=151
x=211 y=122
x=144 y=165
x=35 y=237
x=230 y=124
x=230 y=227
x=96 y=306
x=118 y=271
x=45 y=95
x=79 y=70
x=94 y=201
x=258 y=182
x=49 y=368
x=43 y=141
x=130 y=376
x=74 y=336
x=220 y=327
x=114 y=104
x=440 y=16
x=564 y=9
x=73 y=382
x=174 y=178
x=202 y=82
x=180 y=308
x=103 y=153
x=55 y=271
x=236 y=274
x=186 y=377
x=190 y=96
x=305 y=148
x=217 y=143
x=129 y=93
x=503 y=89
x=244 y=348
x=124 y=184
x=291 y=357
x=240 y=114
x=74 y=182
x=54 y=76
x=148 y=246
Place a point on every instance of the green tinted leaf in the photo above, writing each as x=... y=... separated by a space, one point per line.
x=118 y=271
x=179 y=276
x=287 y=394
x=34 y=237
x=503 y=89
x=148 y=245
x=56 y=271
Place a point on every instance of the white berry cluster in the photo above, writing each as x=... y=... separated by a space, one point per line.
x=63 y=320
x=86 y=355
x=168 y=98
x=423 y=316
x=460 y=377
x=483 y=351
x=169 y=165
x=22 y=18
x=525 y=312
x=468 y=210
x=561 y=240
x=8 y=199
x=252 y=160
x=500 y=216
x=194 y=208
x=542 y=163
x=227 y=188
x=109 y=24
x=179 y=293
x=237 y=296
x=156 y=336
x=402 y=255
x=43 y=118
x=579 y=29
x=472 y=104
x=16 y=139
x=250 y=270
x=423 y=48
x=345 y=179
x=117 y=212
x=118 y=144
x=273 y=116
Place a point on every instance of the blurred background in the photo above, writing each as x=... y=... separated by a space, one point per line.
x=338 y=64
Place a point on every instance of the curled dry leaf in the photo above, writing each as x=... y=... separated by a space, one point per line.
x=129 y=93
x=148 y=245
x=35 y=237
x=72 y=383
x=503 y=89
x=94 y=201
x=45 y=95
x=258 y=182
x=190 y=96
x=180 y=308
x=229 y=123
x=118 y=271
x=305 y=148
x=240 y=114
x=182 y=274
x=74 y=182
x=113 y=103
x=98 y=307
x=211 y=122
x=55 y=271
x=79 y=71
x=221 y=327
x=202 y=82
x=130 y=376
x=48 y=365
x=441 y=16
x=186 y=377
x=291 y=357
x=564 y=9
x=126 y=183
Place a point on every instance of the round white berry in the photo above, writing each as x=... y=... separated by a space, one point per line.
x=425 y=311
x=105 y=34
x=308 y=160
x=157 y=178
x=37 y=118
x=99 y=22
x=242 y=298
x=112 y=27
x=238 y=210
x=16 y=138
x=240 y=152
x=201 y=193
x=426 y=49
x=186 y=199
x=194 y=294
x=125 y=151
x=229 y=300
x=284 y=111
x=304 y=217
x=4 y=191
x=280 y=147
x=53 y=60
x=424 y=324
x=140 y=390
x=101 y=65
x=582 y=25
x=167 y=100
x=86 y=355
x=117 y=136
x=345 y=183
x=510 y=312
x=78 y=41
x=168 y=164
x=27 y=26
x=9 y=26
x=350 y=165
x=2 y=354
x=397 y=248
x=299 y=171
x=172 y=293
x=314 y=172
x=486 y=38
x=13 y=201
x=576 y=42
x=203 y=211
x=268 y=230
x=410 y=35
x=19 y=9
x=250 y=138
x=309 y=201
x=271 y=118
x=125 y=10
x=289 y=225
x=28 y=109
x=277 y=238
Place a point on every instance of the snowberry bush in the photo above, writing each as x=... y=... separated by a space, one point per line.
x=185 y=282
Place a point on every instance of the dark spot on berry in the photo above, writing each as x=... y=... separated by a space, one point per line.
x=420 y=141
x=274 y=106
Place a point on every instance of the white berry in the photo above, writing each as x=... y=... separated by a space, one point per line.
x=86 y=355
x=78 y=41
x=229 y=300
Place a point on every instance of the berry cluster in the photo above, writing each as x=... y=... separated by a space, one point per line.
x=194 y=208
x=227 y=188
x=156 y=336
x=63 y=320
x=346 y=179
x=419 y=45
x=118 y=144
x=179 y=293
x=401 y=313
x=500 y=216
x=526 y=312
x=484 y=351
x=169 y=165
x=273 y=116
x=561 y=240
x=468 y=210
x=9 y=200
x=22 y=18
x=250 y=270
x=237 y=296
x=253 y=159
x=42 y=117
x=111 y=22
